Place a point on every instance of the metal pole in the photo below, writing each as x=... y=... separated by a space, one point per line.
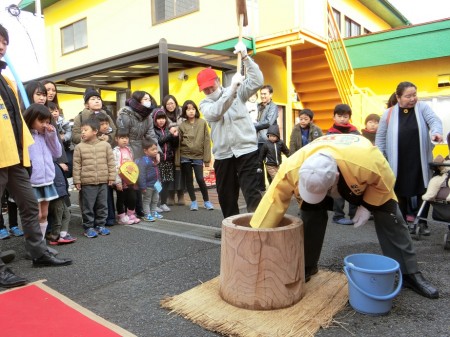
x=163 y=61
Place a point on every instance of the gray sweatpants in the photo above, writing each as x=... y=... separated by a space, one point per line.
x=150 y=200
x=94 y=205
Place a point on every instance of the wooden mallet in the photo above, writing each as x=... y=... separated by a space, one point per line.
x=241 y=9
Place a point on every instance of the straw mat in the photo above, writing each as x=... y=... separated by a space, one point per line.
x=325 y=295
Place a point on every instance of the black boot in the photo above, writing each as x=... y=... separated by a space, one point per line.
x=420 y=285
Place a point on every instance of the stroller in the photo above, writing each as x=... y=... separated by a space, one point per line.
x=441 y=208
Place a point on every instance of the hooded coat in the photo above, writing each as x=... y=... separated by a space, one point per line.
x=139 y=127
x=270 y=152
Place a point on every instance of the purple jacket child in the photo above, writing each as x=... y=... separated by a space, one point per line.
x=46 y=147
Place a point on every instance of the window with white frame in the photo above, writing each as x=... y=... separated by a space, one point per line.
x=352 y=28
x=337 y=18
x=164 y=10
x=74 y=36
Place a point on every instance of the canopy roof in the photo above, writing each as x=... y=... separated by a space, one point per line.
x=116 y=72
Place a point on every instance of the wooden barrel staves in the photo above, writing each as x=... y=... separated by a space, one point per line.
x=261 y=268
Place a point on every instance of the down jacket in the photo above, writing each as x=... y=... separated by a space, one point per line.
x=138 y=128
x=93 y=163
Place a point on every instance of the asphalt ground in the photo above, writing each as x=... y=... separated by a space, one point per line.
x=122 y=277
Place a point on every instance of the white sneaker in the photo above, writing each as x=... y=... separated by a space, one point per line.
x=165 y=208
x=159 y=210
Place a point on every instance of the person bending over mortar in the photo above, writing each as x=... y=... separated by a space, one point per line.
x=349 y=166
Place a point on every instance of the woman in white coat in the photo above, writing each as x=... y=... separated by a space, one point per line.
x=405 y=135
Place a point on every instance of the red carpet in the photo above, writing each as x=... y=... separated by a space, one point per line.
x=36 y=310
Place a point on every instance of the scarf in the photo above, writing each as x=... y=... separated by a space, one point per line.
x=139 y=108
x=342 y=128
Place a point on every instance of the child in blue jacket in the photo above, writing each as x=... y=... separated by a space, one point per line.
x=148 y=180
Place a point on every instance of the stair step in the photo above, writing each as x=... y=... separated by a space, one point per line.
x=323 y=106
x=310 y=64
x=307 y=68
x=325 y=95
x=322 y=85
x=312 y=76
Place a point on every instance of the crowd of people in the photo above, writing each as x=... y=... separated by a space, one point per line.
x=149 y=155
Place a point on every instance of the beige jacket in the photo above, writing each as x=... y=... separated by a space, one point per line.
x=93 y=163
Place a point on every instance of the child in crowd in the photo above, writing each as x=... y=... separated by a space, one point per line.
x=271 y=151
x=52 y=92
x=93 y=105
x=14 y=229
x=304 y=132
x=62 y=126
x=105 y=128
x=195 y=150
x=341 y=116
x=126 y=194
x=94 y=169
x=371 y=124
x=64 y=130
x=148 y=180
x=168 y=141
x=46 y=147
x=36 y=93
x=58 y=211
x=103 y=134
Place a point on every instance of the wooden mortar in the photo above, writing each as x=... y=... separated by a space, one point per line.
x=261 y=268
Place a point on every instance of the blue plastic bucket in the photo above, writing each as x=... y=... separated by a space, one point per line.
x=371 y=282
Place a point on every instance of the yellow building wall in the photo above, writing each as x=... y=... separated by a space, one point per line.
x=383 y=80
x=115 y=27
x=269 y=11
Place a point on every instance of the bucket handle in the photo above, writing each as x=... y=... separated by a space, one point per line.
x=372 y=296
